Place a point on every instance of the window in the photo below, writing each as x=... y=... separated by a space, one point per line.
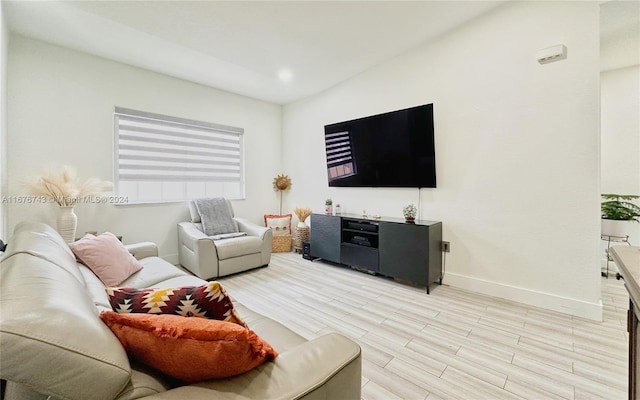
x=162 y=159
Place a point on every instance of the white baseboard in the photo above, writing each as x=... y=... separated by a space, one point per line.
x=592 y=311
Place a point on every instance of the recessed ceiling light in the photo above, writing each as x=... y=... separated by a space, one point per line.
x=285 y=75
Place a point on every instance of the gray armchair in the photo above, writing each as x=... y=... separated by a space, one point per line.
x=208 y=258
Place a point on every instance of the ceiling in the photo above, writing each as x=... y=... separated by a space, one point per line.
x=278 y=51
x=243 y=46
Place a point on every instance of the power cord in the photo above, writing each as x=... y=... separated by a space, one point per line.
x=444 y=265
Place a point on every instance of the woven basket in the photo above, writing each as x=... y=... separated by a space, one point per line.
x=300 y=235
x=281 y=244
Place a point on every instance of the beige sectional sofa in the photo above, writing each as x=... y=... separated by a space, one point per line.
x=53 y=344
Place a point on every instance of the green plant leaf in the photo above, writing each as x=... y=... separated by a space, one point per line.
x=619 y=207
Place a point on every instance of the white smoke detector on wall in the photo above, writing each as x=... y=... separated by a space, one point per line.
x=551 y=54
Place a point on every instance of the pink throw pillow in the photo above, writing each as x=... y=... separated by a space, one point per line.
x=107 y=257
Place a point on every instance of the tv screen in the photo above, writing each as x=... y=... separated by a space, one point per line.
x=394 y=149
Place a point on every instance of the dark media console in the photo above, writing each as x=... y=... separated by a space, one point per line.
x=389 y=246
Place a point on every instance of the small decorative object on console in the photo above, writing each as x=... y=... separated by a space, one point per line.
x=328 y=206
x=409 y=213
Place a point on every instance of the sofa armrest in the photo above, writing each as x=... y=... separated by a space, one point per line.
x=142 y=250
x=250 y=228
x=328 y=367
x=196 y=251
x=191 y=232
x=336 y=364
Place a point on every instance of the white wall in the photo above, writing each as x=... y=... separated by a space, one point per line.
x=620 y=165
x=60 y=106
x=620 y=130
x=4 y=39
x=517 y=151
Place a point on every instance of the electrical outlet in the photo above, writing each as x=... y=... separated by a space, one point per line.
x=446 y=247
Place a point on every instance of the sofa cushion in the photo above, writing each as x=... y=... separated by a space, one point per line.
x=155 y=271
x=279 y=336
x=95 y=289
x=145 y=381
x=206 y=301
x=230 y=235
x=107 y=257
x=236 y=247
x=189 y=349
x=183 y=280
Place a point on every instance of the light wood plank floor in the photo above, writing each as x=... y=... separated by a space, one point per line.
x=451 y=344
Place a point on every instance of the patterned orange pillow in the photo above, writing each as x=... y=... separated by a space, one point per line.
x=189 y=349
x=206 y=301
x=279 y=224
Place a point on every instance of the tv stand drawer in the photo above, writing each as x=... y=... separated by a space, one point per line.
x=359 y=256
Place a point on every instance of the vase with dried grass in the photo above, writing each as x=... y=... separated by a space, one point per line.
x=65 y=189
x=66 y=223
x=302 y=214
x=302 y=232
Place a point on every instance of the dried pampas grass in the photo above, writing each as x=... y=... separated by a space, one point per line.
x=302 y=213
x=64 y=188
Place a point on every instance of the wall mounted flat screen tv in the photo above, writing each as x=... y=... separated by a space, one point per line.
x=394 y=149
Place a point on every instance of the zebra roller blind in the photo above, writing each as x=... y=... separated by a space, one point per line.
x=161 y=158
